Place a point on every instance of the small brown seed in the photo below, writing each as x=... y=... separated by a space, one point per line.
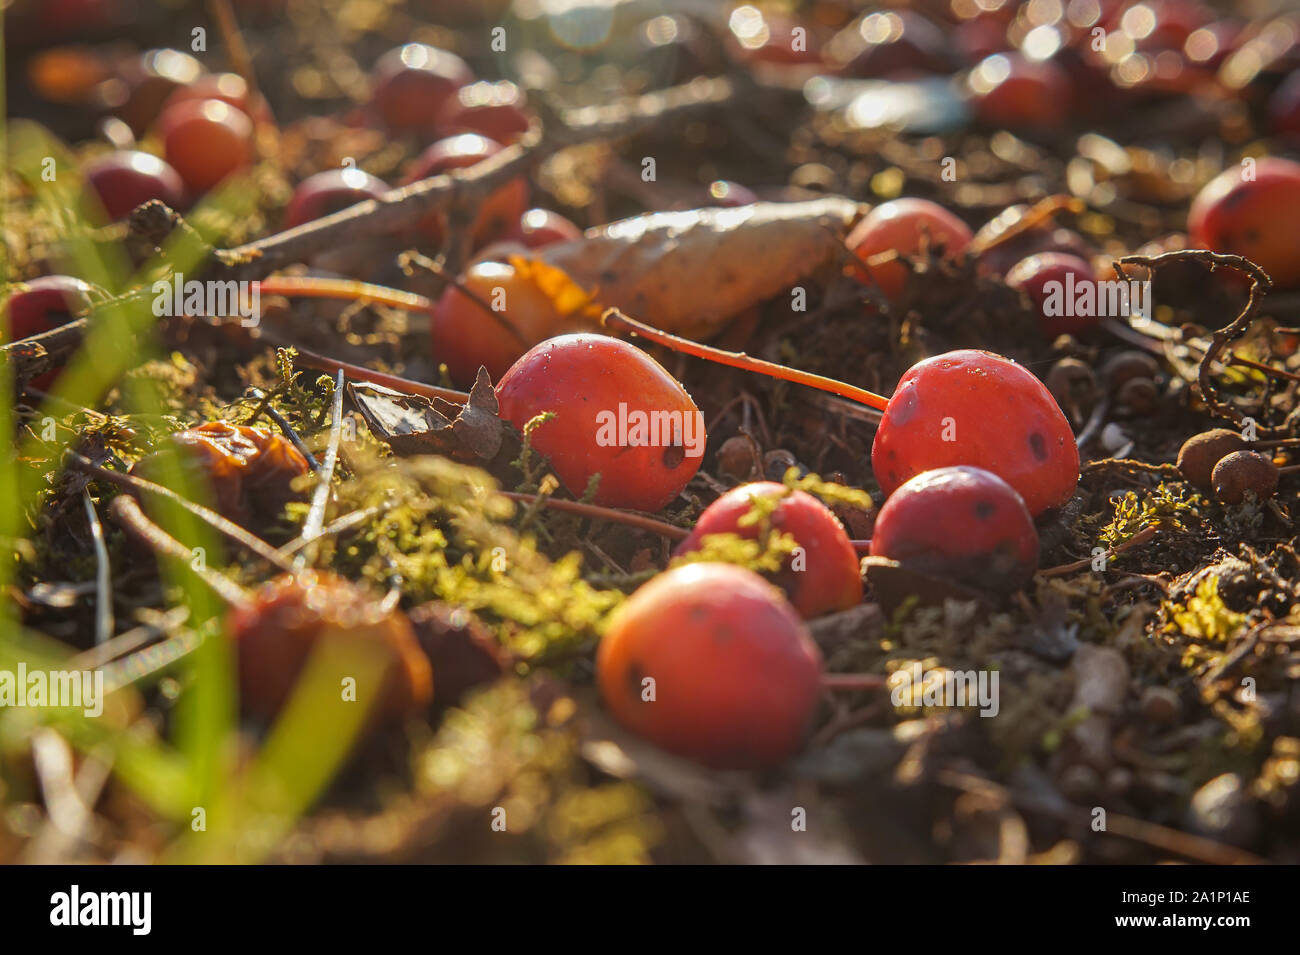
x=738 y=457
x=1070 y=380
x=1126 y=365
x=1139 y=395
x=1244 y=471
x=1161 y=705
x=1201 y=452
x=776 y=463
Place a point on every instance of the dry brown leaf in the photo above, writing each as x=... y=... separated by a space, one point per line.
x=690 y=272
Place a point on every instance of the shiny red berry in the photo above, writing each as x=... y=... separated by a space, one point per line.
x=1013 y=92
x=206 y=141
x=495 y=109
x=710 y=662
x=128 y=178
x=980 y=409
x=147 y=82
x=538 y=228
x=618 y=413
x=1063 y=288
x=961 y=523
x=40 y=305
x=1252 y=210
x=822 y=575
x=411 y=83
x=331 y=191
x=905 y=226
x=467 y=334
x=497 y=214
x=230 y=88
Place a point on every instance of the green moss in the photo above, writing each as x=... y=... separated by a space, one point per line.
x=1205 y=616
x=1166 y=508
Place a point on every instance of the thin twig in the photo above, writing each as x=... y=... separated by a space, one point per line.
x=336 y=526
x=671 y=531
x=616 y=319
x=150 y=660
x=312 y=526
x=136 y=485
x=1260 y=366
x=403 y=207
x=1137 y=540
x=1260 y=283
x=103 y=576
x=283 y=424
x=128 y=641
x=126 y=511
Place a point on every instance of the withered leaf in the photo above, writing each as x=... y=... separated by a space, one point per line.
x=414 y=424
x=690 y=272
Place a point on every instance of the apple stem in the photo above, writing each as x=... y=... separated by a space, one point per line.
x=613 y=318
x=641 y=521
x=348 y=289
x=310 y=359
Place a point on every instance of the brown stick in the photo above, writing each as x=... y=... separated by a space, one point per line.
x=135 y=485
x=1259 y=285
x=126 y=511
x=1137 y=540
x=1260 y=366
x=38 y=354
x=671 y=531
x=361 y=373
x=616 y=319
x=401 y=208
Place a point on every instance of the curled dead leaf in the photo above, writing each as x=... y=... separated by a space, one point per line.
x=412 y=424
x=690 y=272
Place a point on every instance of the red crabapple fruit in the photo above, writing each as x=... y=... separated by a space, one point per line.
x=618 y=413
x=538 y=228
x=498 y=213
x=412 y=83
x=975 y=408
x=466 y=335
x=1064 y=290
x=960 y=523
x=128 y=178
x=1252 y=211
x=823 y=576
x=1013 y=92
x=206 y=141
x=41 y=305
x=905 y=226
x=496 y=110
x=710 y=662
x=331 y=191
